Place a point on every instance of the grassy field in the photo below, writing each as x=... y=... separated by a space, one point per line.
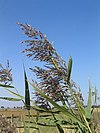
x=19 y=115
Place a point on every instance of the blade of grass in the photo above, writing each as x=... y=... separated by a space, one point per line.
x=82 y=111
x=62 y=109
x=89 y=104
x=24 y=124
x=27 y=93
x=95 y=96
x=58 y=125
x=15 y=94
x=69 y=70
x=6 y=86
x=10 y=99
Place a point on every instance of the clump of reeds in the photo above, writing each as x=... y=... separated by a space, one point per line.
x=54 y=77
x=6 y=126
x=5 y=74
x=55 y=84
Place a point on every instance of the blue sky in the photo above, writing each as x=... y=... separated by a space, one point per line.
x=73 y=25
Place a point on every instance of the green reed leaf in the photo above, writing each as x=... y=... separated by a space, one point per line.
x=10 y=99
x=14 y=93
x=95 y=96
x=60 y=108
x=89 y=104
x=27 y=93
x=69 y=69
x=58 y=125
x=6 y=86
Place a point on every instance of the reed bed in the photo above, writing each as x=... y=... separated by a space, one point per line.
x=57 y=105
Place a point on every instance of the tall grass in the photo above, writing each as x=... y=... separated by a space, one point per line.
x=55 y=91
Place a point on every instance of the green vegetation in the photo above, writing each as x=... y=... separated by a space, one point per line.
x=57 y=99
